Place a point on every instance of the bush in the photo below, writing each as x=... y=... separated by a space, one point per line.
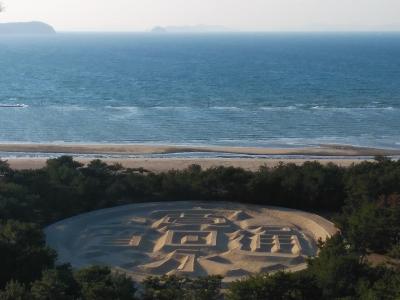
x=56 y=284
x=23 y=251
x=99 y=283
x=181 y=288
x=284 y=286
x=15 y=291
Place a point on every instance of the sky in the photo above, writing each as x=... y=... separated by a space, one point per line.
x=242 y=15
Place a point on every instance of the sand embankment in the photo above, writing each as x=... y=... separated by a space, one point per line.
x=337 y=154
x=340 y=155
x=132 y=149
x=158 y=165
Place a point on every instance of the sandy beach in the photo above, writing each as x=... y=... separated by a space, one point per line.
x=133 y=149
x=337 y=154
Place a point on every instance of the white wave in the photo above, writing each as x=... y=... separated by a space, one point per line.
x=290 y=107
x=266 y=108
x=358 y=108
x=124 y=108
x=171 y=107
x=68 y=108
x=16 y=105
x=232 y=108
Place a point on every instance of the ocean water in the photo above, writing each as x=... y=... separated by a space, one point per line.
x=276 y=90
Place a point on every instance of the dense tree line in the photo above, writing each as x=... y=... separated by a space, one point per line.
x=365 y=199
x=62 y=283
x=65 y=188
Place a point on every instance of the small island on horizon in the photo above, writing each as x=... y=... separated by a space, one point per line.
x=199 y=150
x=34 y=27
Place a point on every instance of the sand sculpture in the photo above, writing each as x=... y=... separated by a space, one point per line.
x=190 y=238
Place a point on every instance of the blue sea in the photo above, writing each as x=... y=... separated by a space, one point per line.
x=247 y=89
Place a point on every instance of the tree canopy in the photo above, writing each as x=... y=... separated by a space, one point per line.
x=364 y=200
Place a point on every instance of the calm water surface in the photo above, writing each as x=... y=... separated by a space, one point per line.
x=232 y=89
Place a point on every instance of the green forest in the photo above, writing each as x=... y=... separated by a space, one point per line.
x=359 y=262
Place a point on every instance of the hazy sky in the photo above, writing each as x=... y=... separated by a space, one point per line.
x=259 y=15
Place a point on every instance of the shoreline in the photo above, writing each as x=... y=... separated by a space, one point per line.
x=162 y=158
x=144 y=149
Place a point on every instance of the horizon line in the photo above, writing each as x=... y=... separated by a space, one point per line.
x=228 y=31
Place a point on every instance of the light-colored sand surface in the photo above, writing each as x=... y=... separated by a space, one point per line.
x=165 y=164
x=190 y=238
x=133 y=149
x=137 y=156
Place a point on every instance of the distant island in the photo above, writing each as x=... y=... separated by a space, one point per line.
x=190 y=29
x=26 y=28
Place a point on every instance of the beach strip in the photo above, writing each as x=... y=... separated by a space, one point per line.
x=139 y=149
x=341 y=155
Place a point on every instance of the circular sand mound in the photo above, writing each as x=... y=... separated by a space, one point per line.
x=190 y=238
